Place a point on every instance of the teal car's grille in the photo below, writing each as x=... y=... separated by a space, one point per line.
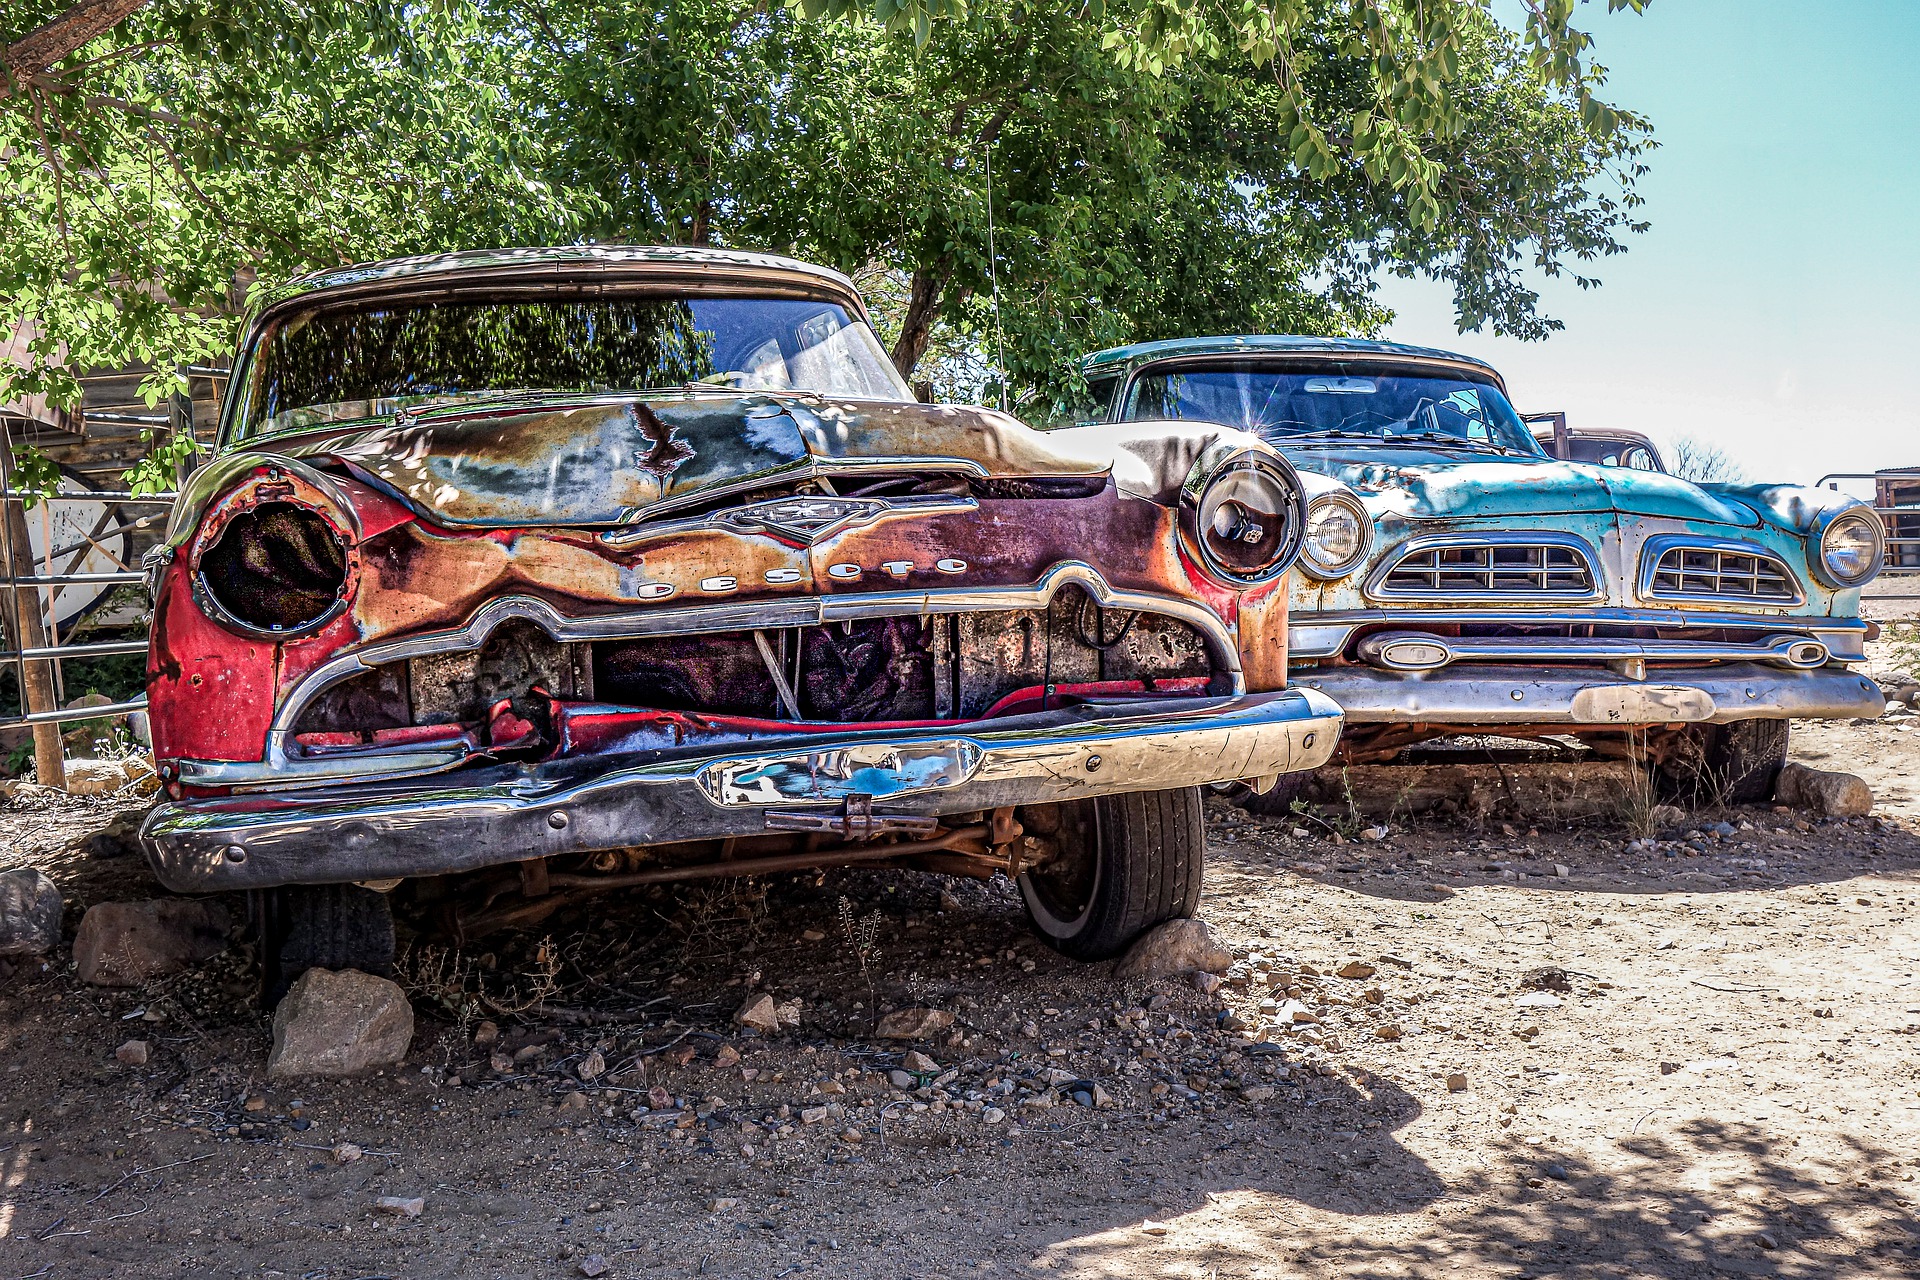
x=1503 y=569
x=1734 y=574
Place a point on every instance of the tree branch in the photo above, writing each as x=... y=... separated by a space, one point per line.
x=34 y=52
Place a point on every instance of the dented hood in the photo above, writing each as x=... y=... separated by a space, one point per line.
x=602 y=460
x=1422 y=483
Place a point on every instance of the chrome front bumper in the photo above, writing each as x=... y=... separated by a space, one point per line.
x=509 y=813
x=1467 y=693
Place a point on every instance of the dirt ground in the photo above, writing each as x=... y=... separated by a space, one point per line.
x=1687 y=1056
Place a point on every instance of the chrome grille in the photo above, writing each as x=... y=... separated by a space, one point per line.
x=1721 y=573
x=1480 y=569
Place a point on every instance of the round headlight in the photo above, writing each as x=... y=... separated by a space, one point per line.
x=1851 y=548
x=1246 y=519
x=1339 y=534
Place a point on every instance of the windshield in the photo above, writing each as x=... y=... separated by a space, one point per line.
x=329 y=366
x=1284 y=404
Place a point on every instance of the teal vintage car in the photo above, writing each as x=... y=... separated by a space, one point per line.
x=1457 y=580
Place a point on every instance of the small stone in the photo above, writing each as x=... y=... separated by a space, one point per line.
x=1561 y=870
x=594 y=1264
x=1386 y=1031
x=339 y=1024
x=913 y=1024
x=813 y=1115
x=1101 y=1098
x=574 y=1101
x=1257 y=1093
x=1457 y=1082
x=1356 y=970
x=721 y=1204
x=1833 y=795
x=1768 y=1240
x=255 y=1103
x=918 y=1061
x=832 y=1087
x=992 y=1115
x=787 y=1013
x=1207 y=983
x=118 y=839
x=1152 y=1228
x=760 y=1014
x=1175 y=948
x=659 y=1098
x=401 y=1206
x=30 y=913
x=727 y=1056
x=133 y=1053
x=346 y=1152
x=1374 y=833
x=903 y=1079
x=501 y=1063
x=813 y=935
x=1558 y=1172
x=593 y=1066
x=851 y=1134
x=1668 y=1068
x=486 y=1033
x=123 y=944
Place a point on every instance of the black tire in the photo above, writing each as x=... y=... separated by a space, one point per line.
x=1126 y=863
x=1720 y=764
x=322 y=926
x=1276 y=801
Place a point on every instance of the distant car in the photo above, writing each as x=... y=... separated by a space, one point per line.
x=1602 y=446
x=607 y=566
x=1457 y=580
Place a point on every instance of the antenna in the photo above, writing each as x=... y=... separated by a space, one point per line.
x=993 y=277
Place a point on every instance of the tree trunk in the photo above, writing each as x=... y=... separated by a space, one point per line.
x=34 y=52
x=923 y=308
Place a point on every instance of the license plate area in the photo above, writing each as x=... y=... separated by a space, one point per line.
x=1642 y=704
x=830 y=776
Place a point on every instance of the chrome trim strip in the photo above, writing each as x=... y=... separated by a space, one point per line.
x=762 y=518
x=506 y=813
x=803 y=611
x=1657 y=547
x=1323 y=635
x=1492 y=695
x=1375 y=588
x=1795 y=653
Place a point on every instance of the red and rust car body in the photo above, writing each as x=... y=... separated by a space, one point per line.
x=696 y=630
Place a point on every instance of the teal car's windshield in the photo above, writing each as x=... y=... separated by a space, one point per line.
x=1282 y=404
x=349 y=363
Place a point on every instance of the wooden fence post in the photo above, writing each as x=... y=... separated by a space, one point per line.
x=27 y=630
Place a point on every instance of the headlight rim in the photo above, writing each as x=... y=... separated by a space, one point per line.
x=1817 y=546
x=271 y=487
x=1215 y=465
x=1314 y=569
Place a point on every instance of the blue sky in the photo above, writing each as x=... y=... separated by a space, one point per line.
x=1774 y=306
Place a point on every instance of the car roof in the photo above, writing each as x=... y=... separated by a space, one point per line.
x=554 y=265
x=1276 y=344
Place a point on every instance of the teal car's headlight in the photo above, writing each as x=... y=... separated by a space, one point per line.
x=1339 y=535
x=1848 y=548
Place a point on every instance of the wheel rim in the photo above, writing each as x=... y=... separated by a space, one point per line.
x=1060 y=896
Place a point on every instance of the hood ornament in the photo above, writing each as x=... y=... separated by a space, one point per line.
x=802 y=520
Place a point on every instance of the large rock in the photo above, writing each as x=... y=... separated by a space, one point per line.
x=1174 y=948
x=123 y=944
x=30 y=912
x=1836 y=795
x=87 y=777
x=913 y=1024
x=339 y=1024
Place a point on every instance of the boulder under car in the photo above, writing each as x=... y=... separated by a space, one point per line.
x=1456 y=580
x=576 y=569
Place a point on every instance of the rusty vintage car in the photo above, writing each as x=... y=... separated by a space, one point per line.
x=1458 y=582
x=594 y=567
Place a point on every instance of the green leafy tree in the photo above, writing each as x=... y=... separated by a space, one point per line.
x=156 y=166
